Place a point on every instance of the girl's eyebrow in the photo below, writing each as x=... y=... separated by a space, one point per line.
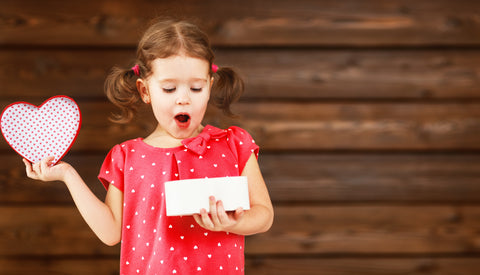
x=199 y=79
x=176 y=80
x=167 y=80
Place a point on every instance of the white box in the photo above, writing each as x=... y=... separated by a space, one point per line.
x=187 y=197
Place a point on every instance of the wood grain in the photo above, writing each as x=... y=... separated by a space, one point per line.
x=247 y=23
x=100 y=266
x=368 y=229
x=270 y=74
x=361 y=266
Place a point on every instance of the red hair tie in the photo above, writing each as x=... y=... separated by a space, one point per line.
x=214 y=68
x=136 y=70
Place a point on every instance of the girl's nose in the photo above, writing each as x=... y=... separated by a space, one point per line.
x=183 y=98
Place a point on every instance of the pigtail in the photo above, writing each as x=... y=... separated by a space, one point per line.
x=228 y=87
x=120 y=88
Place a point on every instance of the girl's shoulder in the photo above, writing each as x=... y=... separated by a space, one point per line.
x=235 y=130
x=128 y=145
x=240 y=134
x=233 y=134
x=239 y=139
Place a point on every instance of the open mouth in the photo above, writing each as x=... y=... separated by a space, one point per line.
x=182 y=118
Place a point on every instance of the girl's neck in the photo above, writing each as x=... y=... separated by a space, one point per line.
x=162 y=139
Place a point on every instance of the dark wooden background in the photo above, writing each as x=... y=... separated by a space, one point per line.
x=367 y=113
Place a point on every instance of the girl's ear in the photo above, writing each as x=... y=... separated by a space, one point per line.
x=143 y=90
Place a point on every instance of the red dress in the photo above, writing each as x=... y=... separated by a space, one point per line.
x=153 y=243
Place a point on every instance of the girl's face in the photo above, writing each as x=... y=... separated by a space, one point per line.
x=178 y=90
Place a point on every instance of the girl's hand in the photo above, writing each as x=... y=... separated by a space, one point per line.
x=44 y=171
x=219 y=219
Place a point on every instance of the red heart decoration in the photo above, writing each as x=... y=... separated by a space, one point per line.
x=38 y=132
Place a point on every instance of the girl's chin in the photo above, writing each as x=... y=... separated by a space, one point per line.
x=186 y=130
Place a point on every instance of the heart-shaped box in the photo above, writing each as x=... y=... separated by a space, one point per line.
x=38 y=132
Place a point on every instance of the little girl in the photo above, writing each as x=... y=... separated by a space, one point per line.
x=175 y=74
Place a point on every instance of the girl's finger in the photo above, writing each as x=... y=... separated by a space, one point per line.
x=37 y=168
x=28 y=168
x=198 y=219
x=207 y=222
x=46 y=162
x=43 y=164
x=28 y=165
x=213 y=211
x=50 y=160
x=222 y=214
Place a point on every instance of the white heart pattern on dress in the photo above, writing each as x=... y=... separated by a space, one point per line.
x=38 y=132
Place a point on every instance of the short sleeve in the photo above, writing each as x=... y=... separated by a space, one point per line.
x=111 y=171
x=243 y=145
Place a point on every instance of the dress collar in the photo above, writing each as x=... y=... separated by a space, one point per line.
x=198 y=144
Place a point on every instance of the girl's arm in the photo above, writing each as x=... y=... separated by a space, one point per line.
x=256 y=220
x=104 y=218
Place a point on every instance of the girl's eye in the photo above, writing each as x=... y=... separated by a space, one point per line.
x=196 y=89
x=168 y=90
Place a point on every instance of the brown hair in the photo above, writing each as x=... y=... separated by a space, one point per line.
x=163 y=39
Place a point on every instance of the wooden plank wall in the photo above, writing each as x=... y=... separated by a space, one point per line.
x=367 y=113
